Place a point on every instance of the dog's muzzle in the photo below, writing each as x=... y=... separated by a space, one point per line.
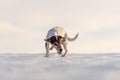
x=59 y=49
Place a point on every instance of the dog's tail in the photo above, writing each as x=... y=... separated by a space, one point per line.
x=72 y=39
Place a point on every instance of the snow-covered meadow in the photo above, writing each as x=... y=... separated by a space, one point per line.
x=72 y=67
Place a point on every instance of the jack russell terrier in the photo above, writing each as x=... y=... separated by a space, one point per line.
x=57 y=37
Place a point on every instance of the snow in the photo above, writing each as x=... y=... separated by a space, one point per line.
x=72 y=67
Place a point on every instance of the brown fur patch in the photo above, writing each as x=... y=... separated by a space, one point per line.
x=48 y=40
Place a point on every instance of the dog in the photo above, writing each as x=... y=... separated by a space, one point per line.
x=58 y=38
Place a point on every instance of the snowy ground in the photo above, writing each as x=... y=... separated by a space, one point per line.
x=71 y=67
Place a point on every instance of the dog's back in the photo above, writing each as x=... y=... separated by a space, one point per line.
x=56 y=31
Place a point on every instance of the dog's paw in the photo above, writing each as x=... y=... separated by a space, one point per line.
x=46 y=55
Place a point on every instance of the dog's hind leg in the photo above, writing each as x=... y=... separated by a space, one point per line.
x=47 y=49
x=65 y=48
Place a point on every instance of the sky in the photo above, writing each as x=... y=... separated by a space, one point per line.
x=24 y=24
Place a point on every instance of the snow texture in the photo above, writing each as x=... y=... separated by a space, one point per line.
x=71 y=67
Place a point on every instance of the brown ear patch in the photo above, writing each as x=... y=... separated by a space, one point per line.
x=48 y=40
x=62 y=39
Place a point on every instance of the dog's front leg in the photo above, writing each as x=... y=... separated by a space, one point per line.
x=65 y=48
x=47 y=49
x=52 y=47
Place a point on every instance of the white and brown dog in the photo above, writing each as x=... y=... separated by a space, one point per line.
x=57 y=37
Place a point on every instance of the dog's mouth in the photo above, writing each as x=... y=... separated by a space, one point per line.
x=59 y=49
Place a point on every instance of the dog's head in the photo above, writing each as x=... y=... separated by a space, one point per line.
x=56 y=42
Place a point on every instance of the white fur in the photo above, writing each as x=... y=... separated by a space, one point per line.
x=58 y=31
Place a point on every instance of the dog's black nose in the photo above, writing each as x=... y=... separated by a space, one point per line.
x=60 y=50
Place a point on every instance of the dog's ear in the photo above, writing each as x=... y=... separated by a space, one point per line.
x=48 y=40
x=62 y=39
